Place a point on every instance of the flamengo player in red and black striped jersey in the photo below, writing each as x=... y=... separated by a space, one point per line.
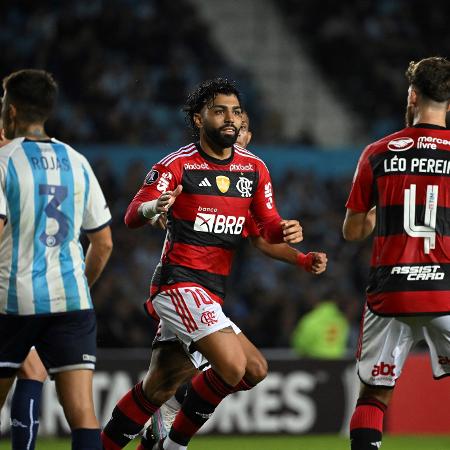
x=401 y=190
x=206 y=189
x=314 y=262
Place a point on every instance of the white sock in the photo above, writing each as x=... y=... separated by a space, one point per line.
x=170 y=445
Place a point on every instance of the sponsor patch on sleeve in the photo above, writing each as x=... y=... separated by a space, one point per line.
x=151 y=177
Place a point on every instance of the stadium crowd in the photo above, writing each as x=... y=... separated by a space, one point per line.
x=265 y=297
x=103 y=55
x=362 y=47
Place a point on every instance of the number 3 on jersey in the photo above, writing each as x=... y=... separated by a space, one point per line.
x=59 y=194
x=428 y=230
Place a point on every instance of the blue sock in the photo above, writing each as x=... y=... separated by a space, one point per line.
x=86 y=439
x=25 y=407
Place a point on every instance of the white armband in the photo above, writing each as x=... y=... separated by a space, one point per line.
x=148 y=209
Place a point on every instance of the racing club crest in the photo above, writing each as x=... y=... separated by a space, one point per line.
x=223 y=183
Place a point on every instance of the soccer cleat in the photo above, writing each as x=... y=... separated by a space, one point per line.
x=147 y=440
x=162 y=421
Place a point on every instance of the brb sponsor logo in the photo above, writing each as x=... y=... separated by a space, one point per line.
x=419 y=273
x=400 y=144
x=383 y=369
x=206 y=222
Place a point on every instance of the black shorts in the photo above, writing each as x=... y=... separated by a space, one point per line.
x=64 y=341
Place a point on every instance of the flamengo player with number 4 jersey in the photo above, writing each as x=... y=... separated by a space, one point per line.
x=401 y=190
x=209 y=187
x=48 y=194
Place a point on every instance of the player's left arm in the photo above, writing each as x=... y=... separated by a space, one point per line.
x=313 y=262
x=272 y=227
x=358 y=225
x=360 y=218
x=98 y=253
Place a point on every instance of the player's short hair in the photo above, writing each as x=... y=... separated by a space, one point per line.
x=33 y=92
x=431 y=77
x=205 y=93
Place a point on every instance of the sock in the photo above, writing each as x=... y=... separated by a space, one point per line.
x=180 y=394
x=128 y=418
x=86 y=439
x=366 y=426
x=207 y=390
x=25 y=406
x=243 y=385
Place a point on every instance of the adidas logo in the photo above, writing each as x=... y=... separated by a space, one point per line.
x=376 y=444
x=204 y=182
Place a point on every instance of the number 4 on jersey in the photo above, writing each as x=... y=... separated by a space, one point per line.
x=428 y=230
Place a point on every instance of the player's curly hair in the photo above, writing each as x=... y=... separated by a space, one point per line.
x=431 y=77
x=204 y=94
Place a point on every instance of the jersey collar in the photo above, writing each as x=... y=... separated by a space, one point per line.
x=430 y=126
x=220 y=162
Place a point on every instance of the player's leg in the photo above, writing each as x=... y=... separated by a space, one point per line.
x=169 y=367
x=16 y=336
x=26 y=402
x=228 y=366
x=163 y=419
x=68 y=350
x=384 y=345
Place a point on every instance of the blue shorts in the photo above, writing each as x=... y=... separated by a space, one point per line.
x=64 y=341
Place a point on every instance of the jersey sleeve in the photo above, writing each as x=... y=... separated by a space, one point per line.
x=263 y=209
x=159 y=180
x=96 y=211
x=361 y=193
x=3 y=201
x=250 y=227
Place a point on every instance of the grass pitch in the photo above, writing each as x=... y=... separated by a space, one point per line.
x=323 y=442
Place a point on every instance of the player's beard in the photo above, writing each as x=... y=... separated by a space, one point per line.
x=216 y=137
x=409 y=116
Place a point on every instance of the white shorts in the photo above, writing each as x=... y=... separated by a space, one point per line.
x=386 y=341
x=188 y=314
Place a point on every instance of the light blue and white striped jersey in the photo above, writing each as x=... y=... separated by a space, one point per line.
x=48 y=194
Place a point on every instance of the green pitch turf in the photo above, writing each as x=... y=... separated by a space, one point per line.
x=279 y=443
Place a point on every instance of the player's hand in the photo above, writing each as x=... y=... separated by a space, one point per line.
x=319 y=263
x=160 y=221
x=167 y=199
x=292 y=231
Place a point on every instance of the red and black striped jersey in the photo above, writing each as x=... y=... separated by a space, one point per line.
x=207 y=220
x=407 y=177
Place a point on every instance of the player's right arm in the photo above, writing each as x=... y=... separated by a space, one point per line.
x=157 y=194
x=360 y=218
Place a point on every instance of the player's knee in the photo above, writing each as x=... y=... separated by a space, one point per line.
x=159 y=386
x=234 y=371
x=257 y=369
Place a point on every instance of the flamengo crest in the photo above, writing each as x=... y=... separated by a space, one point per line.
x=244 y=186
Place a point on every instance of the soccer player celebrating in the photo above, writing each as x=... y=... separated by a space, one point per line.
x=314 y=262
x=401 y=190
x=206 y=189
x=48 y=193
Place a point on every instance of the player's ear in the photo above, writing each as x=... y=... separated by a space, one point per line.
x=198 y=122
x=412 y=96
x=249 y=137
